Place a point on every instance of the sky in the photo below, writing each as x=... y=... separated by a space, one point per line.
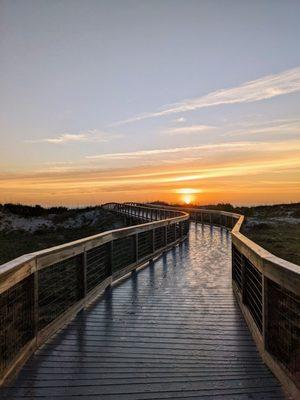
x=134 y=100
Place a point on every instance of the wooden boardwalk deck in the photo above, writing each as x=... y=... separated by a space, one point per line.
x=171 y=331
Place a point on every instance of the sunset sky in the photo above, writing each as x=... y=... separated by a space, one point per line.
x=149 y=100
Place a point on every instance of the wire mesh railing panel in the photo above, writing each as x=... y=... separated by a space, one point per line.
x=283 y=327
x=237 y=265
x=215 y=219
x=16 y=320
x=60 y=286
x=177 y=230
x=159 y=238
x=253 y=292
x=145 y=244
x=97 y=265
x=124 y=252
x=206 y=218
x=186 y=227
x=171 y=233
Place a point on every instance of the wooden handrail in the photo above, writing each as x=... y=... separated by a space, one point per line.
x=29 y=274
x=279 y=292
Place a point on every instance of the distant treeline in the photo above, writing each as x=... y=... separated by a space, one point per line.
x=37 y=210
x=248 y=211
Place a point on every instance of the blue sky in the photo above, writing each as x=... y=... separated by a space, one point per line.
x=84 y=83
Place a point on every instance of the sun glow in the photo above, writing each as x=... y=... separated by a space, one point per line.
x=188 y=194
x=188 y=191
x=187 y=199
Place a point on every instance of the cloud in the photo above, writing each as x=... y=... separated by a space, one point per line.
x=278 y=126
x=158 y=152
x=180 y=120
x=188 y=130
x=92 y=135
x=260 y=89
x=67 y=137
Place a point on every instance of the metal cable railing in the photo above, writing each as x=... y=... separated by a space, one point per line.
x=40 y=292
x=268 y=291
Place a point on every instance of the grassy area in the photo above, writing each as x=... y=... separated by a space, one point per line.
x=25 y=229
x=276 y=228
x=281 y=239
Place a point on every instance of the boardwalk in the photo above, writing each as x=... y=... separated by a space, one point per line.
x=171 y=331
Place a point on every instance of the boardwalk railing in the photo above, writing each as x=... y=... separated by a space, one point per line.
x=268 y=291
x=41 y=291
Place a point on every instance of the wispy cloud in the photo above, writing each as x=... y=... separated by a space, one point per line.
x=188 y=130
x=67 y=137
x=277 y=126
x=92 y=135
x=180 y=120
x=260 y=89
x=158 y=152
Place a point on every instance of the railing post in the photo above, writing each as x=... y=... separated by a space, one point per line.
x=265 y=311
x=243 y=267
x=201 y=217
x=110 y=258
x=84 y=267
x=153 y=240
x=180 y=230
x=166 y=234
x=36 y=301
x=136 y=247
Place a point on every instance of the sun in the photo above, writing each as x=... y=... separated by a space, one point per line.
x=187 y=199
x=188 y=195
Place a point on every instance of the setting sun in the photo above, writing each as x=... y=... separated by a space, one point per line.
x=187 y=199
x=188 y=193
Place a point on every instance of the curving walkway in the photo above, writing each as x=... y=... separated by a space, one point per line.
x=171 y=331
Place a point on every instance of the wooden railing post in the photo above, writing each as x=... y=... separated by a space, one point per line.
x=243 y=267
x=166 y=235
x=110 y=257
x=153 y=240
x=84 y=267
x=36 y=301
x=265 y=311
x=136 y=247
